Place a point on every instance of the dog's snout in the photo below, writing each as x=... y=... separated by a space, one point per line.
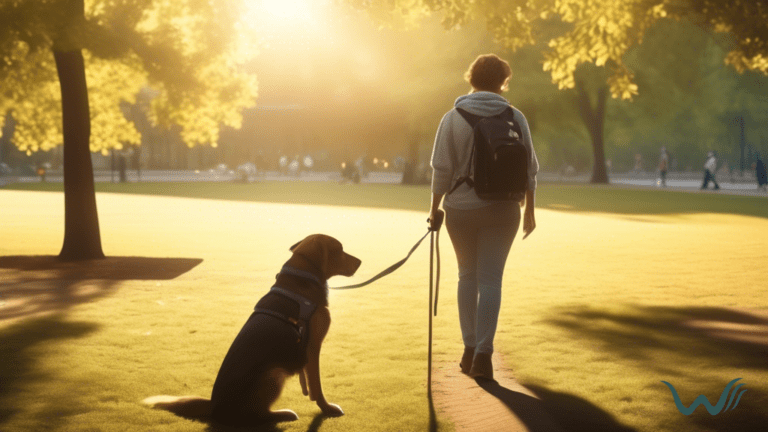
x=352 y=264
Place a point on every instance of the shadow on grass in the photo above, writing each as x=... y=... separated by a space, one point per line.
x=317 y=421
x=21 y=345
x=110 y=268
x=432 y=414
x=529 y=410
x=41 y=284
x=724 y=337
x=694 y=343
x=215 y=427
x=751 y=415
x=552 y=411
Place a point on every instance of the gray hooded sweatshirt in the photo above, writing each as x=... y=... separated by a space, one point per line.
x=453 y=147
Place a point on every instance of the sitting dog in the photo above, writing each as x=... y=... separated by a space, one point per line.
x=282 y=337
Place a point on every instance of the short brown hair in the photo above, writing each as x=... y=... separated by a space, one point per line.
x=488 y=73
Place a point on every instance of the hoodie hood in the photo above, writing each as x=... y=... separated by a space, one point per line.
x=482 y=103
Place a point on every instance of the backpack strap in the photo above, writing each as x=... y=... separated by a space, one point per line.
x=472 y=119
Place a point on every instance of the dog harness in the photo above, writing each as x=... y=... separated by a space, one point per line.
x=281 y=304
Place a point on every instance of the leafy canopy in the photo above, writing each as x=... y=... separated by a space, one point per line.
x=190 y=51
x=600 y=32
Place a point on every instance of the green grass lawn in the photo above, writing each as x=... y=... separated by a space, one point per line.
x=558 y=196
x=615 y=291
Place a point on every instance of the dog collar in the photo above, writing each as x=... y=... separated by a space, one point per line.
x=305 y=275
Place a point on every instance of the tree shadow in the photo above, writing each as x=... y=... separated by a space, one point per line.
x=19 y=345
x=553 y=411
x=724 y=337
x=749 y=416
x=694 y=342
x=109 y=268
x=34 y=285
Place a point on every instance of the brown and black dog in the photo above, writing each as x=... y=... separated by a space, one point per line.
x=282 y=337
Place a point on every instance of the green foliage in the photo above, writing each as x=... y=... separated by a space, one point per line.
x=688 y=100
x=600 y=32
x=191 y=51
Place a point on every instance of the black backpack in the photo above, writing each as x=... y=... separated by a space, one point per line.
x=499 y=156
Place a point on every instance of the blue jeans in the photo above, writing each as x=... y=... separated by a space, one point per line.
x=482 y=239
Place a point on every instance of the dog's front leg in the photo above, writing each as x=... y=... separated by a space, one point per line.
x=303 y=381
x=320 y=322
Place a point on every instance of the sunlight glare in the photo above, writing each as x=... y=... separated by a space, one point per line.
x=289 y=23
x=288 y=9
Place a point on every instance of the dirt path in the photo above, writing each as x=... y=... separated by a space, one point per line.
x=484 y=406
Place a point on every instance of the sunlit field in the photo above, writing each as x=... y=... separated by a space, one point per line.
x=615 y=291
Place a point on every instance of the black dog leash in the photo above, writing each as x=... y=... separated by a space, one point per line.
x=434 y=227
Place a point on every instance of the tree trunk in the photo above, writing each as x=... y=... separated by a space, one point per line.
x=409 y=170
x=594 y=119
x=82 y=239
x=742 y=143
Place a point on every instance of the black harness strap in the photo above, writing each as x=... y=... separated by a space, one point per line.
x=306 y=309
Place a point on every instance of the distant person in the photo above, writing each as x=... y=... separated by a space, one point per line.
x=349 y=173
x=361 y=166
x=638 y=163
x=709 y=171
x=294 y=167
x=760 y=173
x=283 y=163
x=663 y=167
x=481 y=231
x=260 y=163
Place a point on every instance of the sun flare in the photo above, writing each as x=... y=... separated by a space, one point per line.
x=281 y=21
x=294 y=10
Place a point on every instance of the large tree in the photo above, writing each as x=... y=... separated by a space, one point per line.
x=600 y=32
x=68 y=64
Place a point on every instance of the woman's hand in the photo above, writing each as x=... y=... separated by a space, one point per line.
x=435 y=214
x=436 y=219
x=529 y=221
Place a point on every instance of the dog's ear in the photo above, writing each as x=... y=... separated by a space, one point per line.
x=315 y=249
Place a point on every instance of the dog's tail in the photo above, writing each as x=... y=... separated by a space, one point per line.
x=192 y=407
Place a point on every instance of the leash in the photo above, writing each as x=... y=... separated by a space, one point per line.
x=398 y=264
x=434 y=228
x=434 y=250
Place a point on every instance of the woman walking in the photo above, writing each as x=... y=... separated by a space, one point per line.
x=760 y=174
x=481 y=231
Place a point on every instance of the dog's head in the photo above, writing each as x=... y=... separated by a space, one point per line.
x=327 y=255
